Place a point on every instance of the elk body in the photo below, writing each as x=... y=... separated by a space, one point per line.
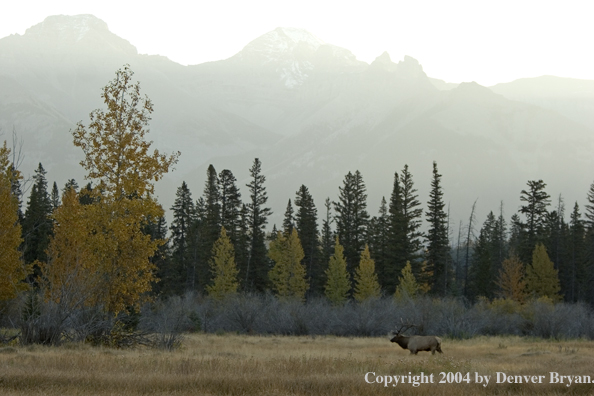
x=417 y=343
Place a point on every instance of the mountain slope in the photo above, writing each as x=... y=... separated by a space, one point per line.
x=310 y=110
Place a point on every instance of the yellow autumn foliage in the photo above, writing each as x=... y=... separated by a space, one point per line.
x=288 y=274
x=118 y=161
x=223 y=268
x=12 y=269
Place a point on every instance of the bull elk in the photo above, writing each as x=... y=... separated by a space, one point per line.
x=416 y=343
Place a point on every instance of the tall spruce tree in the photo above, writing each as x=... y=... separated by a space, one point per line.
x=437 y=239
x=230 y=200
x=573 y=283
x=352 y=218
x=55 y=197
x=306 y=222
x=182 y=273
x=37 y=224
x=289 y=220
x=258 y=264
x=482 y=269
x=327 y=234
x=209 y=226
x=589 y=249
x=379 y=244
x=533 y=230
x=412 y=218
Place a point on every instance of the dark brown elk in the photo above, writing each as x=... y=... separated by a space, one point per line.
x=416 y=343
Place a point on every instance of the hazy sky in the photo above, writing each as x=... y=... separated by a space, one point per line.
x=455 y=40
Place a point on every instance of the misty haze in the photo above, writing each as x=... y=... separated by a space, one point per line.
x=297 y=191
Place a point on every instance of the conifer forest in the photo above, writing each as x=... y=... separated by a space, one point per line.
x=97 y=260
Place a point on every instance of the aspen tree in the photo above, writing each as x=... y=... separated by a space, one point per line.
x=12 y=270
x=119 y=163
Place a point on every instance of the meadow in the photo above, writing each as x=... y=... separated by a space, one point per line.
x=229 y=364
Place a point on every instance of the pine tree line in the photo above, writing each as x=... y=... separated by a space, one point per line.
x=393 y=238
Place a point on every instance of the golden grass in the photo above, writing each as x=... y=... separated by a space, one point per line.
x=251 y=365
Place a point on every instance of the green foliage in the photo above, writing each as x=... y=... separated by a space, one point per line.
x=542 y=279
x=37 y=225
x=407 y=284
x=256 y=271
x=351 y=217
x=288 y=274
x=378 y=234
x=366 y=284
x=223 y=268
x=338 y=284
x=306 y=222
x=437 y=238
x=535 y=210
x=181 y=274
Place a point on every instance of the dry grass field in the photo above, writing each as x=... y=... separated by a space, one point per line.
x=277 y=365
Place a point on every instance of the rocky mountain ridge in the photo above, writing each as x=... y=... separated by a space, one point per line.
x=310 y=110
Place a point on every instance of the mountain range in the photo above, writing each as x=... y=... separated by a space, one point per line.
x=310 y=111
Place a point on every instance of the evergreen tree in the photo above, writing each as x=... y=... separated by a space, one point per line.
x=573 y=284
x=157 y=229
x=396 y=244
x=589 y=249
x=256 y=274
x=366 y=283
x=481 y=273
x=289 y=221
x=55 y=197
x=328 y=236
x=407 y=284
x=437 y=238
x=37 y=225
x=224 y=271
x=542 y=279
x=306 y=222
x=535 y=211
x=182 y=273
x=12 y=270
x=379 y=242
x=516 y=235
x=230 y=198
x=242 y=245
x=352 y=218
x=499 y=241
x=511 y=281
x=288 y=275
x=71 y=183
x=411 y=219
x=209 y=225
x=338 y=283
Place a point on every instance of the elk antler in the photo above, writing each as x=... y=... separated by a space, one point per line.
x=404 y=327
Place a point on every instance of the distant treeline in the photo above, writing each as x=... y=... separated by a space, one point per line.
x=95 y=254
x=470 y=266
